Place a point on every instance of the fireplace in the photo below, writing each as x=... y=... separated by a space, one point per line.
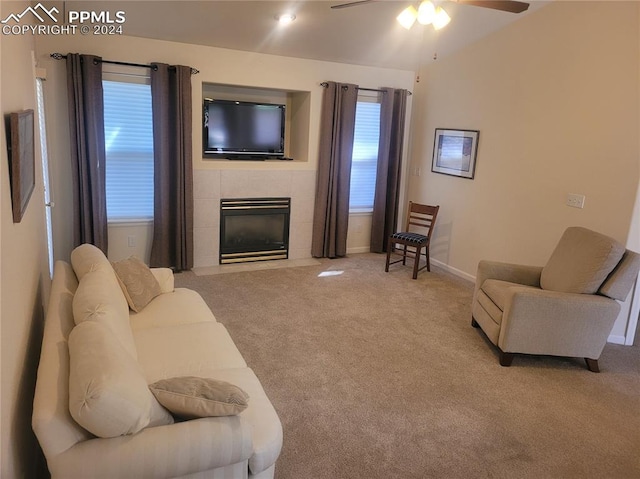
x=254 y=229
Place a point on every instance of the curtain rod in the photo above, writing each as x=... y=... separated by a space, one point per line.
x=325 y=85
x=60 y=56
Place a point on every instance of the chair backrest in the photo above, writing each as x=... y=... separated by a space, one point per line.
x=581 y=261
x=624 y=275
x=421 y=216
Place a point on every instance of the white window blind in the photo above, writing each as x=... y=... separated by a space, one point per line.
x=365 y=156
x=128 y=133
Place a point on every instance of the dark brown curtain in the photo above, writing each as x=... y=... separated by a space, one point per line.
x=172 y=244
x=385 y=202
x=331 y=214
x=86 y=121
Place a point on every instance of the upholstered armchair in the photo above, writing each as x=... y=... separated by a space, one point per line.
x=566 y=308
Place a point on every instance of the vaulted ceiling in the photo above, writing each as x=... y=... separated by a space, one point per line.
x=367 y=34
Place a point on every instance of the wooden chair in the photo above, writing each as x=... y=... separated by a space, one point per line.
x=423 y=218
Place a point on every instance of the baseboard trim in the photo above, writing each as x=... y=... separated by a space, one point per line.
x=453 y=270
x=358 y=250
x=616 y=339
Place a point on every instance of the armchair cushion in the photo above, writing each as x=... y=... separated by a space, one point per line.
x=499 y=291
x=581 y=262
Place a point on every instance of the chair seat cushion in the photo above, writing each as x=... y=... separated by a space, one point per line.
x=413 y=238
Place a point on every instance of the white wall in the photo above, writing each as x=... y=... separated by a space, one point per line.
x=24 y=275
x=632 y=333
x=216 y=65
x=555 y=97
x=359 y=234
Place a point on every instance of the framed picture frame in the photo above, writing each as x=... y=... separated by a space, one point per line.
x=454 y=152
x=21 y=161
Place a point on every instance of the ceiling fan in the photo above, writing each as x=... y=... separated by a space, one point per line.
x=511 y=6
x=428 y=13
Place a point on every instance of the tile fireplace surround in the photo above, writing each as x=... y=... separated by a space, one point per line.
x=211 y=185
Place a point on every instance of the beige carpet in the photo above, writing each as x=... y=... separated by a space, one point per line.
x=378 y=376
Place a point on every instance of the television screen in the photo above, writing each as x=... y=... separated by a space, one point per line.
x=243 y=129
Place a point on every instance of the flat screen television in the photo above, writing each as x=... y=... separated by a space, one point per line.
x=243 y=130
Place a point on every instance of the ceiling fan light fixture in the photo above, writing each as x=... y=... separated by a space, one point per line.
x=441 y=18
x=285 y=18
x=407 y=17
x=426 y=13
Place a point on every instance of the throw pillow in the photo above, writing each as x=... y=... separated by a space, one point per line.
x=192 y=397
x=138 y=283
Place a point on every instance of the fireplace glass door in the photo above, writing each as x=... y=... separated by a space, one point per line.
x=254 y=229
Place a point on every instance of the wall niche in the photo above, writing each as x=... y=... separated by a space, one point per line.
x=297 y=113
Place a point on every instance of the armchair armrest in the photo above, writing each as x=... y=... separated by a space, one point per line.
x=537 y=321
x=165 y=451
x=164 y=276
x=513 y=273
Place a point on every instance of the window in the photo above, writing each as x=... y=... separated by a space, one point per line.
x=44 y=155
x=128 y=132
x=365 y=156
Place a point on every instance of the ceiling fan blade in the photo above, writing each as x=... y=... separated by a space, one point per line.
x=504 y=5
x=352 y=4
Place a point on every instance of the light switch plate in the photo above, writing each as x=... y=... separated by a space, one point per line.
x=575 y=201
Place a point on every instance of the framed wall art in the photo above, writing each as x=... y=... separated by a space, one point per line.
x=21 y=161
x=454 y=152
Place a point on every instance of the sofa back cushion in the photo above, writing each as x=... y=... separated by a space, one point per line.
x=581 y=262
x=108 y=395
x=87 y=257
x=99 y=298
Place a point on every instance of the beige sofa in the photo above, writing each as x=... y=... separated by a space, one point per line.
x=174 y=335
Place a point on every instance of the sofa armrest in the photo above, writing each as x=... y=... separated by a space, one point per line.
x=164 y=276
x=537 y=321
x=165 y=451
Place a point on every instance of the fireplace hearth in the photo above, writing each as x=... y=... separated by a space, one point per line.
x=254 y=229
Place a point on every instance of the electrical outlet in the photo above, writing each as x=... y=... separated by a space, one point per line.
x=575 y=201
x=131 y=241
